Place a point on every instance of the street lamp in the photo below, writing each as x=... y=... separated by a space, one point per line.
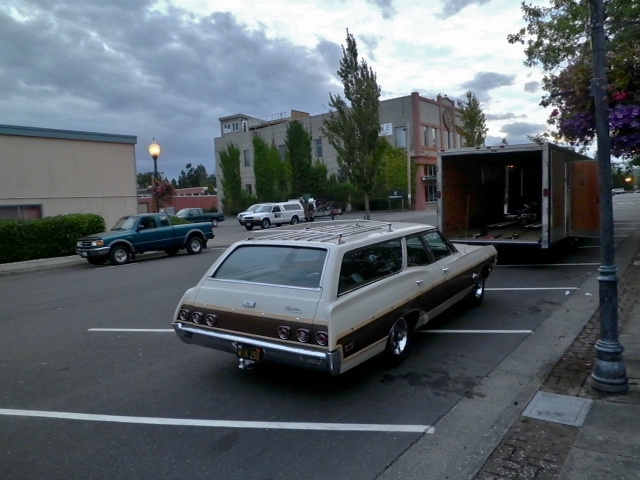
x=407 y=139
x=609 y=372
x=154 y=151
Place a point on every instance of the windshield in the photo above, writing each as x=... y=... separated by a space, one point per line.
x=125 y=223
x=263 y=208
x=182 y=213
x=274 y=265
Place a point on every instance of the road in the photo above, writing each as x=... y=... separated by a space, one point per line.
x=95 y=384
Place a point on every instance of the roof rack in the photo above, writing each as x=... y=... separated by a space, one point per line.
x=327 y=233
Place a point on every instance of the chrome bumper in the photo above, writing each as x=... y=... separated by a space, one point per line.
x=93 y=252
x=328 y=362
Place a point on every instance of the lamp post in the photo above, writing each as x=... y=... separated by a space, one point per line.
x=609 y=372
x=408 y=138
x=154 y=151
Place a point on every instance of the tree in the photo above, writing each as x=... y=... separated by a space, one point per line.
x=193 y=177
x=298 y=143
x=144 y=180
x=269 y=171
x=474 y=123
x=231 y=180
x=353 y=128
x=558 y=39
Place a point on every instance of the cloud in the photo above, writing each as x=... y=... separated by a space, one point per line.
x=484 y=82
x=122 y=67
x=453 y=7
x=387 y=8
x=532 y=87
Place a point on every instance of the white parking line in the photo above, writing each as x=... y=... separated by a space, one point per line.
x=132 y=330
x=526 y=332
x=529 y=288
x=590 y=264
x=187 y=422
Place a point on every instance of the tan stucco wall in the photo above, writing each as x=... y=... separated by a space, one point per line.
x=69 y=176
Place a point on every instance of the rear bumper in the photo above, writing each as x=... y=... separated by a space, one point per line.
x=327 y=362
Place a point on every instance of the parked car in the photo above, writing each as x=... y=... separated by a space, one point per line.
x=199 y=215
x=249 y=210
x=267 y=214
x=330 y=296
x=136 y=234
x=617 y=191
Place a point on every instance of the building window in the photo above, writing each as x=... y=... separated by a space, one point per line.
x=432 y=191
x=249 y=188
x=247 y=158
x=318 y=144
x=282 y=150
x=21 y=212
x=431 y=171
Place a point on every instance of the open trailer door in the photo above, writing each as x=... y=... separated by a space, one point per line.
x=585 y=199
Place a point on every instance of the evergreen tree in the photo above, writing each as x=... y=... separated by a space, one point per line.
x=474 y=125
x=353 y=128
x=231 y=180
x=299 y=150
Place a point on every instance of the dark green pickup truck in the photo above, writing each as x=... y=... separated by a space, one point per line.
x=143 y=233
x=199 y=215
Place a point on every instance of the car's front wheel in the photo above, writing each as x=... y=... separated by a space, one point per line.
x=265 y=223
x=119 y=255
x=194 y=245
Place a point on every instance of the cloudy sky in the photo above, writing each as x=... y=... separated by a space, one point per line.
x=170 y=69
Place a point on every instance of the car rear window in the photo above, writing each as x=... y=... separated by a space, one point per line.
x=274 y=265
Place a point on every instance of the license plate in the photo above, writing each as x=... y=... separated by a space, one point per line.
x=250 y=352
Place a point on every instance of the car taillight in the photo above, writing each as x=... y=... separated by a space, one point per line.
x=303 y=335
x=211 y=319
x=197 y=317
x=183 y=315
x=322 y=338
x=284 y=332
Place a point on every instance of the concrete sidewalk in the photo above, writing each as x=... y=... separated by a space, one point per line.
x=570 y=431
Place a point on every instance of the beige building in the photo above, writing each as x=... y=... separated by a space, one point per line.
x=50 y=172
x=424 y=125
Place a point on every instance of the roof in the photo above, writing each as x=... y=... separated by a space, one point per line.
x=66 y=134
x=341 y=232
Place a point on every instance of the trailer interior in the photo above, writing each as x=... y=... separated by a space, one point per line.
x=501 y=198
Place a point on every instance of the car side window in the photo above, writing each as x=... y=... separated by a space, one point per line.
x=439 y=246
x=148 y=222
x=367 y=265
x=276 y=209
x=164 y=221
x=417 y=252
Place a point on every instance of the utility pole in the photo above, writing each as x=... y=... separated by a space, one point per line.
x=609 y=372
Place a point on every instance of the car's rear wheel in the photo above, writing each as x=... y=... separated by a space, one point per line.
x=194 y=245
x=398 y=341
x=477 y=293
x=265 y=223
x=119 y=255
x=294 y=220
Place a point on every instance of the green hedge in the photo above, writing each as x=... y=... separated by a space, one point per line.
x=49 y=237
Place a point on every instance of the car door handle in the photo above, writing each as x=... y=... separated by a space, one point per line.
x=445 y=270
x=419 y=281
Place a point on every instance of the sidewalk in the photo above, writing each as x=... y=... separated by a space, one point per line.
x=570 y=431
